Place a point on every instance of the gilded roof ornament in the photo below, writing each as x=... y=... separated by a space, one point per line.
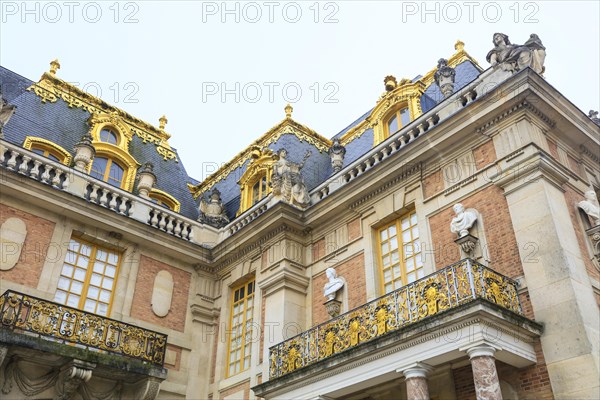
x=288 y=111
x=459 y=45
x=162 y=122
x=54 y=66
x=390 y=83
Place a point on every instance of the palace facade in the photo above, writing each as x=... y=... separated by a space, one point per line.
x=444 y=245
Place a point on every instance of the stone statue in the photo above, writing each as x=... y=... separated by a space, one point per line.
x=212 y=212
x=337 y=152
x=590 y=206
x=594 y=117
x=444 y=77
x=6 y=111
x=333 y=285
x=463 y=221
x=287 y=181
x=512 y=57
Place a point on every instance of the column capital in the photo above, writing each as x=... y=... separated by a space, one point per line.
x=415 y=370
x=480 y=350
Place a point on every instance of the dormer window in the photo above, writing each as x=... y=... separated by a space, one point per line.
x=398 y=120
x=108 y=136
x=47 y=149
x=260 y=189
x=107 y=170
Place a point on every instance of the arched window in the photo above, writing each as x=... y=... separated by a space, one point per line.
x=165 y=200
x=397 y=120
x=108 y=170
x=47 y=149
x=260 y=189
x=109 y=136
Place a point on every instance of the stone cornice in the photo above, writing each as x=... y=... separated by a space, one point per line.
x=521 y=106
x=587 y=152
x=285 y=277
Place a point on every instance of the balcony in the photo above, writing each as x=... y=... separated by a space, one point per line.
x=30 y=315
x=431 y=320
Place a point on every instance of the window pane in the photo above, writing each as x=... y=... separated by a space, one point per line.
x=76 y=287
x=393 y=125
x=60 y=297
x=93 y=293
x=67 y=270
x=96 y=279
x=105 y=296
x=73 y=300
x=79 y=274
x=108 y=136
x=405 y=116
x=63 y=283
x=99 y=167
x=110 y=271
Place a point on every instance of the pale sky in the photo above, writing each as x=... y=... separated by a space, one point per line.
x=222 y=72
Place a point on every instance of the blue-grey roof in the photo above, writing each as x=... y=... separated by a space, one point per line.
x=65 y=126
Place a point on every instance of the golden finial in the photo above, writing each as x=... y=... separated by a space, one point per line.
x=54 y=66
x=288 y=111
x=390 y=83
x=459 y=45
x=162 y=122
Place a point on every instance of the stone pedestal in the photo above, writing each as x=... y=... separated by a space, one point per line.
x=333 y=307
x=416 y=381
x=485 y=375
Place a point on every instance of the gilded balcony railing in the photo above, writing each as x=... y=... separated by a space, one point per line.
x=21 y=312
x=443 y=290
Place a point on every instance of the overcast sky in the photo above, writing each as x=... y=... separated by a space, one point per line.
x=222 y=72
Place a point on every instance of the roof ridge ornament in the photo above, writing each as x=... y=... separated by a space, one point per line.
x=288 y=111
x=162 y=122
x=54 y=66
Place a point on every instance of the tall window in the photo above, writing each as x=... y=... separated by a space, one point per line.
x=240 y=341
x=108 y=170
x=399 y=253
x=259 y=189
x=399 y=119
x=88 y=276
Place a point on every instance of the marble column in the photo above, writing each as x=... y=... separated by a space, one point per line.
x=416 y=381
x=485 y=375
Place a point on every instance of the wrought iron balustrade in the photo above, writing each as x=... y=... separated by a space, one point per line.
x=21 y=312
x=443 y=290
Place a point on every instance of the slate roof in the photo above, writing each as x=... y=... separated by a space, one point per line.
x=65 y=126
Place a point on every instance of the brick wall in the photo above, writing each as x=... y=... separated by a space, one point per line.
x=353 y=229
x=484 y=154
x=553 y=148
x=142 y=297
x=502 y=244
x=433 y=183
x=237 y=388
x=318 y=250
x=353 y=270
x=463 y=383
x=35 y=249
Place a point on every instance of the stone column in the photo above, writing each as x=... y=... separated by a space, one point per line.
x=416 y=381
x=284 y=287
x=485 y=375
x=559 y=286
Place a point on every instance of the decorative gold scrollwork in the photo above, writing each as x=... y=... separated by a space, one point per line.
x=19 y=311
x=443 y=290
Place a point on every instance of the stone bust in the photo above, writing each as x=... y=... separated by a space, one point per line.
x=463 y=221
x=333 y=285
x=590 y=207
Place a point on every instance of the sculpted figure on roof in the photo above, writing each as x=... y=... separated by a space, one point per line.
x=287 y=181
x=6 y=111
x=514 y=57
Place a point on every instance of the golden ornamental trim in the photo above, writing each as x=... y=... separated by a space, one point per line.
x=166 y=198
x=31 y=141
x=286 y=126
x=50 y=88
x=402 y=94
x=432 y=295
x=56 y=321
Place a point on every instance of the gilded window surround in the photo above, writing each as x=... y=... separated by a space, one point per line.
x=50 y=88
x=129 y=164
x=406 y=93
x=165 y=198
x=32 y=141
x=260 y=165
x=286 y=126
